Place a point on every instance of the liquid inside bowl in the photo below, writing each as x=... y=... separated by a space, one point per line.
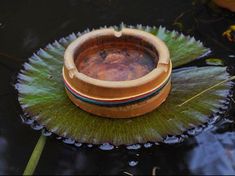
x=116 y=60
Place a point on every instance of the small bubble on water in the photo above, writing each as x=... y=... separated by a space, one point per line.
x=26 y=120
x=59 y=137
x=77 y=144
x=184 y=136
x=133 y=147
x=89 y=145
x=132 y=163
x=194 y=131
x=172 y=140
x=106 y=146
x=46 y=133
x=148 y=145
x=36 y=126
x=68 y=141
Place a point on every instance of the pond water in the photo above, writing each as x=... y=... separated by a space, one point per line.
x=25 y=26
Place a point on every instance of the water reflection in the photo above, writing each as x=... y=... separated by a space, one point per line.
x=90 y=161
x=3 y=150
x=210 y=153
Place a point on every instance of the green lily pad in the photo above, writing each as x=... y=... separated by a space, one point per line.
x=42 y=95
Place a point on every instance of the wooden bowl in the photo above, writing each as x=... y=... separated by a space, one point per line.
x=113 y=55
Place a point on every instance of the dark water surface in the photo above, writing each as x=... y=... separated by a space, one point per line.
x=26 y=25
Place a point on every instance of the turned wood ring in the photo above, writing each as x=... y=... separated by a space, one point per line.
x=117 y=92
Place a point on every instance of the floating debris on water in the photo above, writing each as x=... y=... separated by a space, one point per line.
x=231 y=56
x=127 y=173
x=154 y=171
x=133 y=163
x=156 y=143
x=214 y=61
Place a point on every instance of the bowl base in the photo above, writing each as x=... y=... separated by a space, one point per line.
x=127 y=111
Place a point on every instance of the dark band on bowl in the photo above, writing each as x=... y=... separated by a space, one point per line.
x=119 y=102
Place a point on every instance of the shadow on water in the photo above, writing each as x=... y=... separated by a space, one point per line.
x=27 y=25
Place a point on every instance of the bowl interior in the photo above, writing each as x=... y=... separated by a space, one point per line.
x=116 y=58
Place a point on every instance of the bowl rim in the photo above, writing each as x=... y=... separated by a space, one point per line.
x=163 y=65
